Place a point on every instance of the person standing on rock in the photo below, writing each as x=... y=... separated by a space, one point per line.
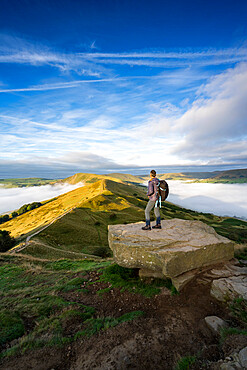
x=153 y=202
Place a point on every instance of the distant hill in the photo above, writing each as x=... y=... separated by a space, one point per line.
x=229 y=176
x=26 y=182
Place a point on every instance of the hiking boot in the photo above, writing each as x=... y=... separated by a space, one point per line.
x=147 y=227
x=158 y=226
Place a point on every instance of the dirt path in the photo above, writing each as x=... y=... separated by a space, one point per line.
x=79 y=255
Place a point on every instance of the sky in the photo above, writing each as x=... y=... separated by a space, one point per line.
x=108 y=85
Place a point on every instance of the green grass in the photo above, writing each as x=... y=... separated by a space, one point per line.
x=33 y=310
x=241 y=254
x=76 y=266
x=185 y=363
x=127 y=279
x=11 y=326
x=225 y=332
x=238 y=308
x=93 y=325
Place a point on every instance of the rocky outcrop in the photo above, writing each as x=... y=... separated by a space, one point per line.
x=229 y=282
x=173 y=251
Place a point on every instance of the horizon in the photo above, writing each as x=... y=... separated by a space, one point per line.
x=119 y=86
x=135 y=171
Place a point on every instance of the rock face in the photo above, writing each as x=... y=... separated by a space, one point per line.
x=179 y=247
x=231 y=282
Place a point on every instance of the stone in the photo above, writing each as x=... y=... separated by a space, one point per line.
x=231 y=366
x=215 y=324
x=243 y=357
x=180 y=246
x=229 y=288
x=180 y=281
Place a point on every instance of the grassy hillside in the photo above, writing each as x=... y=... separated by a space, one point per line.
x=188 y=175
x=230 y=176
x=20 y=183
x=57 y=206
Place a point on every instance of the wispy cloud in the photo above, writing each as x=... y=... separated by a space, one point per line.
x=17 y=50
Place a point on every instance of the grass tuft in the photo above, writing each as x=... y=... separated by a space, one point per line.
x=11 y=326
x=185 y=363
x=94 y=325
x=128 y=279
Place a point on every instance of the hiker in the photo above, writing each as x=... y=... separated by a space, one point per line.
x=153 y=202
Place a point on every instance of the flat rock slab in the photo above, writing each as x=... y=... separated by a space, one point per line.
x=180 y=246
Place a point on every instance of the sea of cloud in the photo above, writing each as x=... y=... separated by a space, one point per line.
x=219 y=199
x=13 y=198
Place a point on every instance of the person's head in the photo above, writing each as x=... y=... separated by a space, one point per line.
x=153 y=173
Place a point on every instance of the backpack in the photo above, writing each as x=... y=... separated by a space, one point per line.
x=163 y=189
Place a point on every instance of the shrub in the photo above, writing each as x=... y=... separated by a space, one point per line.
x=113 y=216
x=6 y=241
x=4 y=218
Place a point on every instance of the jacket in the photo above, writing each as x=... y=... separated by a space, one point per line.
x=153 y=189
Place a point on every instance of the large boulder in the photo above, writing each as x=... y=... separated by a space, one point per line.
x=179 y=247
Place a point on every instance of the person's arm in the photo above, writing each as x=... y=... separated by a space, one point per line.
x=150 y=189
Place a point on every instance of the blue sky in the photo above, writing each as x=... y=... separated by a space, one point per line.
x=102 y=86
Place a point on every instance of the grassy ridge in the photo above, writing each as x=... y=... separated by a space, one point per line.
x=37 y=218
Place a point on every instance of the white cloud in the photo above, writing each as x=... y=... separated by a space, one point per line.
x=13 y=198
x=216 y=122
x=220 y=199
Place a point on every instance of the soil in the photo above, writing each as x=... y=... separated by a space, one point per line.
x=173 y=327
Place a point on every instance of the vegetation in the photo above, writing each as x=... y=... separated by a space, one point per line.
x=20 y=183
x=127 y=279
x=239 y=309
x=23 y=209
x=28 y=207
x=33 y=310
x=6 y=241
x=185 y=363
x=4 y=218
x=223 y=177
